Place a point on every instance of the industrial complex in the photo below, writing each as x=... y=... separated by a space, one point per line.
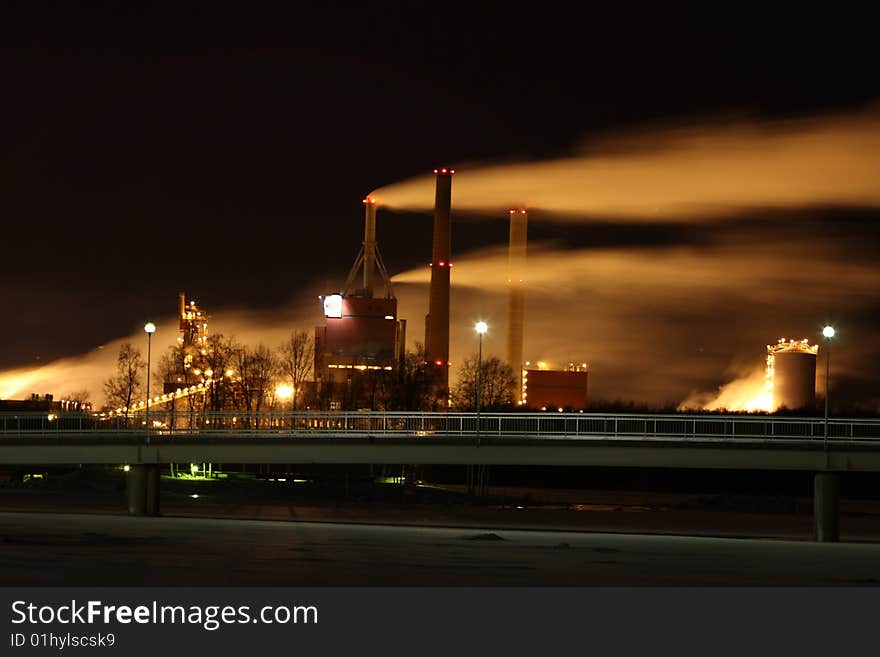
x=361 y=339
x=363 y=334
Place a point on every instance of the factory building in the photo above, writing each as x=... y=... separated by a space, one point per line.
x=193 y=343
x=361 y=332
x=193 y=324
x=791 y=373
x=546 y=389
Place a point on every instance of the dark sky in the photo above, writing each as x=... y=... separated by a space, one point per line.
x=227 y=153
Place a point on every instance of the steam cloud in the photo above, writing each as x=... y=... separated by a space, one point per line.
x=683 y=174
x=665 y=324
x=89 y=371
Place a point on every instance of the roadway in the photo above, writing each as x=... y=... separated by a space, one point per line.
x=95 y=550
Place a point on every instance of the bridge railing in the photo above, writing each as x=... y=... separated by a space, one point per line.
x=163 y=423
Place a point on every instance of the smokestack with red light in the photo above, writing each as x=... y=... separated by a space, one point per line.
x=369 y=244
x=437 y=321
x=516 y=295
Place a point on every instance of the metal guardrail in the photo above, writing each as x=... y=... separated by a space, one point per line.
x=722 y=427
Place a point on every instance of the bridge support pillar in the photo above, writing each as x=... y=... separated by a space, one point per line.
x=826 y=506
x=143 y=490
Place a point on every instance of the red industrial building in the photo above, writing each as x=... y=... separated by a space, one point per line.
x=359 y=333
x=555 y=389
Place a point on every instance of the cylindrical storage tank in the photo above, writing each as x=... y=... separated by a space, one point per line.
x=794 y=374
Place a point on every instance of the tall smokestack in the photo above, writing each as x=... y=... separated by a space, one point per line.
x=437 y=321
x=369 y=244
x=516 y=295
x=181 y=302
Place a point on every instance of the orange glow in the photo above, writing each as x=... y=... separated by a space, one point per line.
x=682 y=174
x=603 y=302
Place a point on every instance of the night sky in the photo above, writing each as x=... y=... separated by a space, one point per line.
x=227 y=153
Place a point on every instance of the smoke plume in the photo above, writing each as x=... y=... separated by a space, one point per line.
x=90 y=371
x=680 y=174
x=663 y=325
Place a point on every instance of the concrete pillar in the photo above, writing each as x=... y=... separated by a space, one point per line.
x=142 y=488
x=826 y=506
x=153 y=489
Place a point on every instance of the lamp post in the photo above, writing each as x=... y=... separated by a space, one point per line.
x=149 y=329
x=828 y=332
x=481 y=328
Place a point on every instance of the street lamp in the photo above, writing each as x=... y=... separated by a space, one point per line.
x=481 y=328
x=828 y=332
x=149 y=329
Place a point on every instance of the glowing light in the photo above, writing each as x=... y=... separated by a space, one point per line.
x=149 y=327
x=389 y=316
x=481 y=327
x=230 y=372
x=828 y=332
x=284 y=392
x=126 y=468
x=333 y=305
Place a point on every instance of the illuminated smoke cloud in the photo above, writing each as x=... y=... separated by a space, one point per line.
x=89 y=371
x=682 y=324
x=663 y=325
x=679 y=174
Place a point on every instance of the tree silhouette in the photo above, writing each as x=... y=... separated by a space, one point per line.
x=496 y=380
x=124 y=386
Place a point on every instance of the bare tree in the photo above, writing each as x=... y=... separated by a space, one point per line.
x=218 y=360
x=255 y=374
x=414 y=385
x=497 y=382
x=124 y=386
x=296 y=359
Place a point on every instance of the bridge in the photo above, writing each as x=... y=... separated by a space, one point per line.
x=546 y=439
